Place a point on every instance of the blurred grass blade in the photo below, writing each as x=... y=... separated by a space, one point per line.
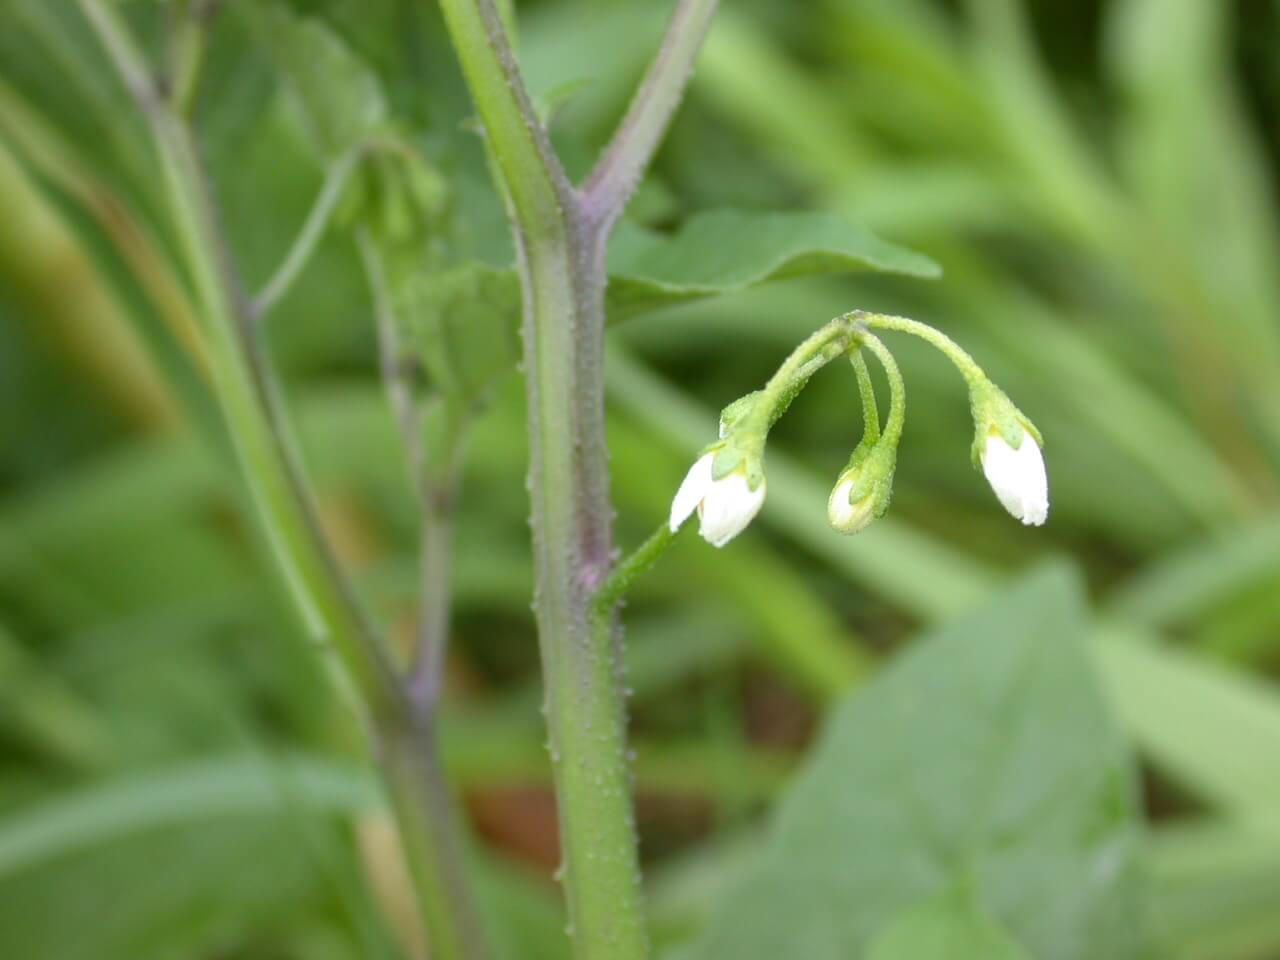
x=1214 y=729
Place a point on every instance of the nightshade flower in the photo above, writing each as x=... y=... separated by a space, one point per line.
x=1017 y=476
x=725 y=505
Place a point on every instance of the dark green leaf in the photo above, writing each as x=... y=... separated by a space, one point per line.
x=984 y=759
x=730 y=250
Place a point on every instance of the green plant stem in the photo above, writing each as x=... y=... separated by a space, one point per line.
x=249 y=397
x=309 y=236
x=560 y=236
x=435 y=479
x=560 y=244
x=562 y=273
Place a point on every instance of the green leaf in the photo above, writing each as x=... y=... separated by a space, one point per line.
x=339 y=97
x=726 y=251
x=983 y=759
x=948 y=927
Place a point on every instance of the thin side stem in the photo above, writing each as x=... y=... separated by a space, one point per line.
x=247 y=392
x=897 y=388
x=410 y=753
x=313 y=228
x=867 y=390
x=435 y=574
x=435 y=480
x=610 y=185
x=249 y=397
x=625 y=573
x=434 y=838
x=187 y=53
x=963 y=362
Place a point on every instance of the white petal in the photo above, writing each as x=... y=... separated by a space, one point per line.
x=694 y=487
x=727 y=508
x=1018 y=477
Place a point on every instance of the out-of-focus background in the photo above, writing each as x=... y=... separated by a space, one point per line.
x=1098 y=180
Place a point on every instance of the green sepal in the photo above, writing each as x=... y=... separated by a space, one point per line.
x=735 y=413
x=994 y=412
x=738 y=453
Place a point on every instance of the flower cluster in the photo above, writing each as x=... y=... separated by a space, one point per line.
x=726 y=484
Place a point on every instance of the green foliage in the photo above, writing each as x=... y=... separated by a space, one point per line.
x=339 y=98
x=730 y=251
x=983 y=764
x=949 y=926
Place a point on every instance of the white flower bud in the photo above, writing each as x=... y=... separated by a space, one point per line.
x=848 y=517
x=864 y=488
x=724 y=506
x=1017 y=476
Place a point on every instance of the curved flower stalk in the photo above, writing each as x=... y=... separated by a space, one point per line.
x=726 y=484
x=1006 y=445
x=865 y=486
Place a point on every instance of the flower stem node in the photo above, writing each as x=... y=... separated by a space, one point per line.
x=864 y=488
x=726 y=488
x=1007 y=447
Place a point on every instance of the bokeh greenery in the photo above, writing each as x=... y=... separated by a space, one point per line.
x=181 y=777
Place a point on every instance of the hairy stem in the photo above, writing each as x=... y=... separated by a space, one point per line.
x=616 y=175
x=560 y=237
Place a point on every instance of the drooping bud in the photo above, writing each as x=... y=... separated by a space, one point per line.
x=864 y=488
x=1007 y=446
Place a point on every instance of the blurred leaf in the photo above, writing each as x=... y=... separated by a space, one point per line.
x=462 y=323
x=729 y=250
x=1191 y=581
x=948 y=927
x=984 y=757
x=1213 y=728
x=199 y=857
x=339 y=96
x=1215 y=890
